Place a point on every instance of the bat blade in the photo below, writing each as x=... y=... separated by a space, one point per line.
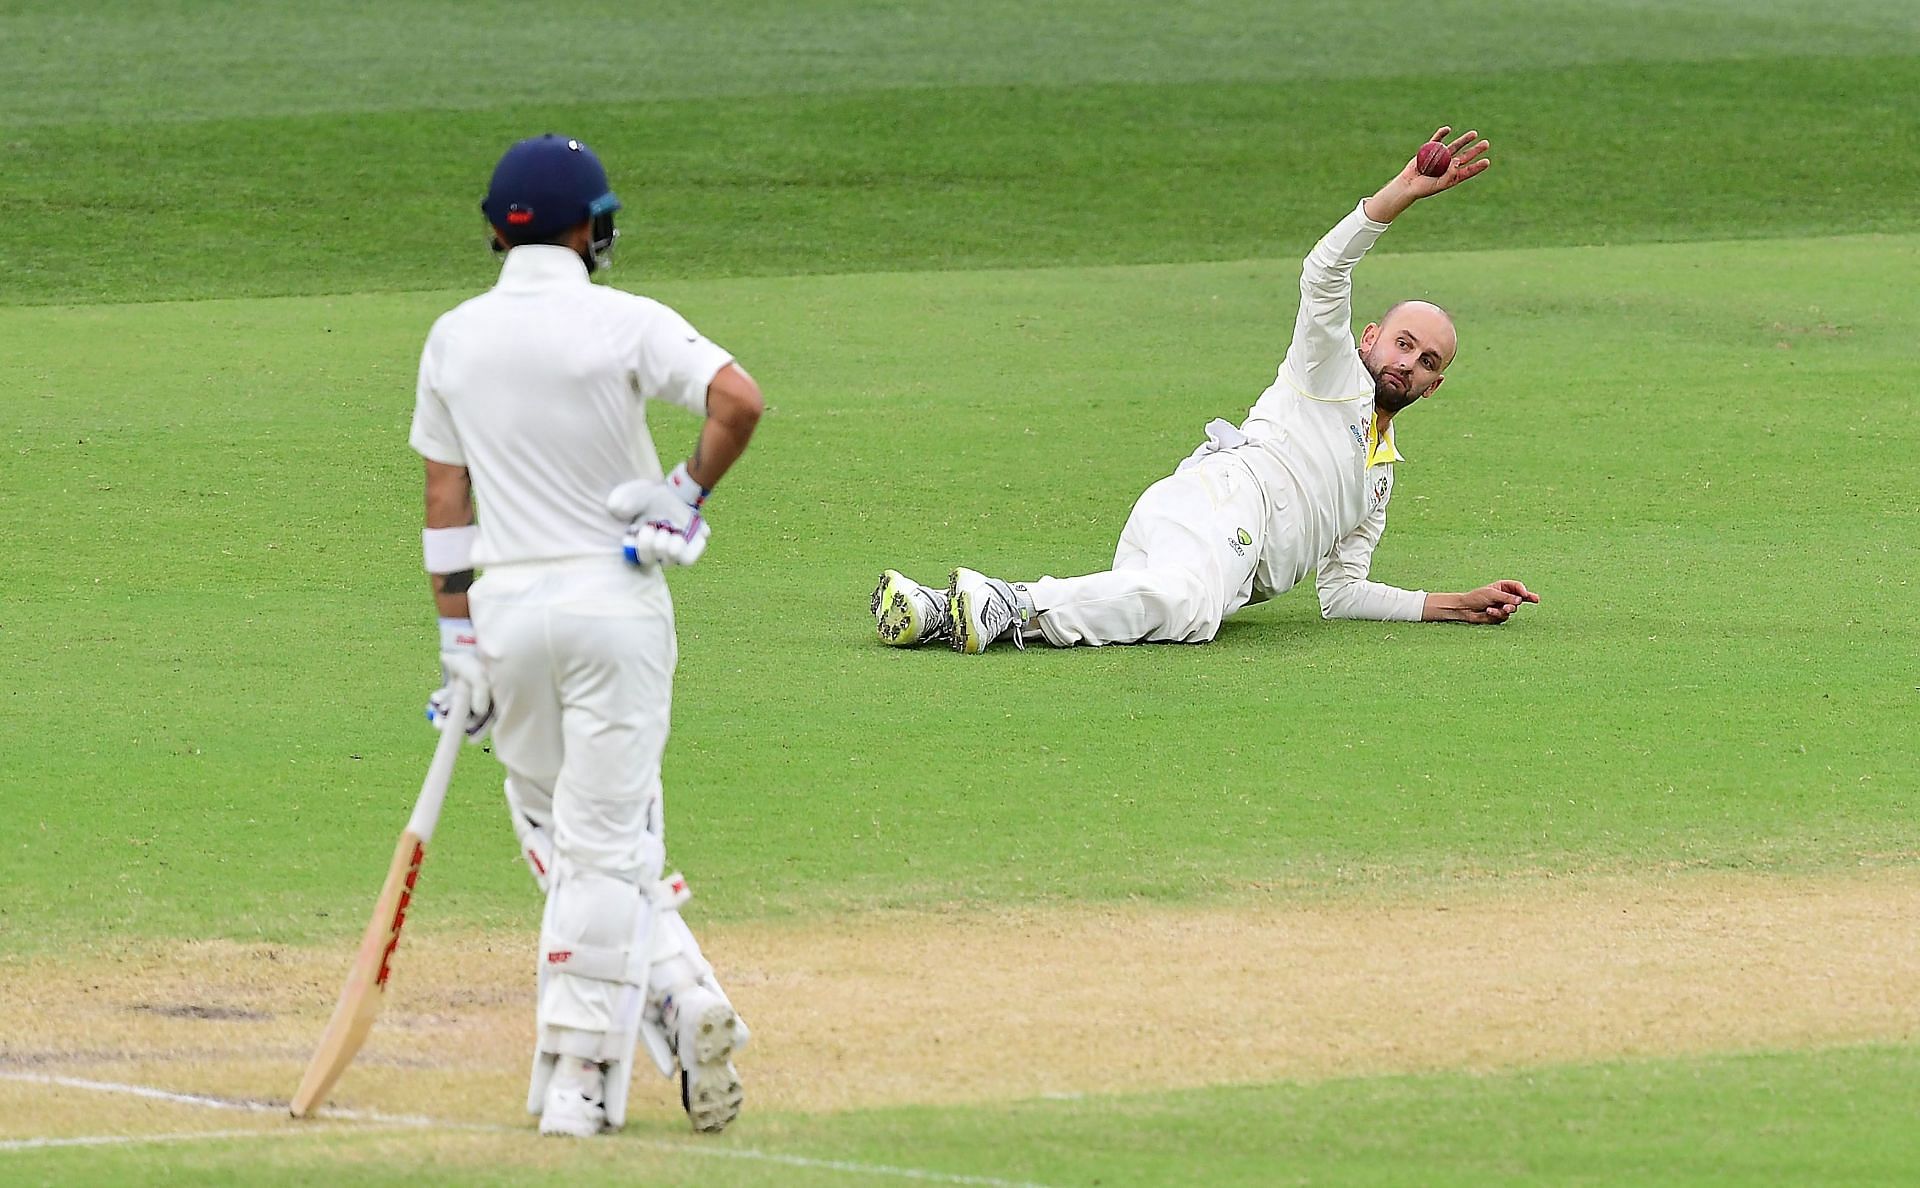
x=366 y=986
x=365 y=989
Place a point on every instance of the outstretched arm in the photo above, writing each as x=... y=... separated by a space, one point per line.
x=1410 y=185
x=1346 y=593
x=1319 y=361
x=1495 y=603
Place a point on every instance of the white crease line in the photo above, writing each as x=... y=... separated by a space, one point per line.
x=223 y=1103
x=130 y=1140
x=374 y=1118
x=212 y=1103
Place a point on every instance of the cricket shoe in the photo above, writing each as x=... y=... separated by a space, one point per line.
x=982 y=609
x=706 y=1032
x=907 y=613
x=576 y=1100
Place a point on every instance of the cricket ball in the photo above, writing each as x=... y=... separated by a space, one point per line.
x=1434 y=159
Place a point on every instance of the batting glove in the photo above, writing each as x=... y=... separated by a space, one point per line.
x=460 y=661
x=665 y=526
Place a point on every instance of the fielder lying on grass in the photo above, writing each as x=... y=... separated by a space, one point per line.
x=1301 y=485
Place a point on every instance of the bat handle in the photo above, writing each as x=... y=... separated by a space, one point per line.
x=433 y=790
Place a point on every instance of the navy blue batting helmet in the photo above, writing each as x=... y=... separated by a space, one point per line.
x=546 y=184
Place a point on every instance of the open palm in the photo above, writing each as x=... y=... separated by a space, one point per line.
x=1469 y=160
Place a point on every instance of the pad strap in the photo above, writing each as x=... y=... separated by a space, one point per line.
x=449 y=550
x=599 y=964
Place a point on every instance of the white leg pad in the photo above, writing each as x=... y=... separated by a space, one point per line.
x=597 y=929
x=677 y=959
x=530 y=807
x=678 y=964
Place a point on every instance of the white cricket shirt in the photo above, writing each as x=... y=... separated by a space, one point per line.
x=1312 y=443
x=536 y=387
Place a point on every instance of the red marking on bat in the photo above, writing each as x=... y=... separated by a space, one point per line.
x=399 y=917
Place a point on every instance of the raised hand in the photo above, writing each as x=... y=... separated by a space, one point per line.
x=1469 y=160
x=1410 y=185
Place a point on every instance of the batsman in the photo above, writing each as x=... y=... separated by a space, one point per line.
x=1300 y=486
x=530 y=403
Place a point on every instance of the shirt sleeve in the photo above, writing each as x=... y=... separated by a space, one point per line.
x=1323 y=344
x=433 y=437
x=677 y=363
x=1345 y=592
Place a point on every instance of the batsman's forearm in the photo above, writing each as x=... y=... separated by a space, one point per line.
x=449 y=491
x=734 y=406
x=450 y=594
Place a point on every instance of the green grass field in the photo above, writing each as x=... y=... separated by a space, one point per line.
x=994 y=268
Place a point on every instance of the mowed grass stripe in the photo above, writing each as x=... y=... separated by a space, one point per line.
x=1830 y=1117
x=964 y=178
x=214 y=627
x=143 y=63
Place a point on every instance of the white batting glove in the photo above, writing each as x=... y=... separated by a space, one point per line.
x=460 y=661
x=665 y=526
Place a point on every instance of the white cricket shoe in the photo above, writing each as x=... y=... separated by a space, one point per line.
x=576 y=1100
x=982 y=609
x=907 y=613
x=706 y=1032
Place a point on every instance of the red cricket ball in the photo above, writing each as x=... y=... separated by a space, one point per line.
x=1434 y=159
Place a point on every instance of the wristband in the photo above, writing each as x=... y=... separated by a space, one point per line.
x=456 y=633
x=686 y=489
x=448 y=550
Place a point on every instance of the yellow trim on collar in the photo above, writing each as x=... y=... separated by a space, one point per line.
x=1379 y=451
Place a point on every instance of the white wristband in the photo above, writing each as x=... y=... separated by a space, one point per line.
x=448 y=550
x=682 y=484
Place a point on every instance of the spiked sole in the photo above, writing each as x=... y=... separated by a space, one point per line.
x=710 y=1089
x=966 y=635
x=896 y=616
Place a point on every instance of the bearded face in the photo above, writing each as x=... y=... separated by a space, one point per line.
x=1405 y=354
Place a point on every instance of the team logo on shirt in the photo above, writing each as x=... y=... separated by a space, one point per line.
x=1380 y=487
x=1239 y=542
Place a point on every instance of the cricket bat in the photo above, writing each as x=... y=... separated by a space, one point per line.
x=366 y=986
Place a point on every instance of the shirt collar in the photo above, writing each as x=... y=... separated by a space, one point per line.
x=541 y=266
x=1380 y=449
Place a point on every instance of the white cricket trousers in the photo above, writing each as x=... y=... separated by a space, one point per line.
x=1185 y=562
x=581 y=653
